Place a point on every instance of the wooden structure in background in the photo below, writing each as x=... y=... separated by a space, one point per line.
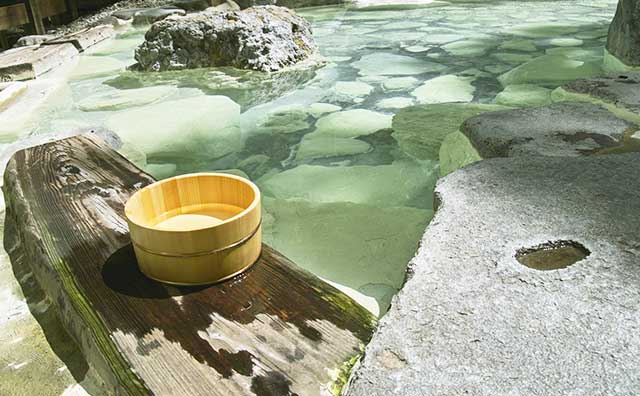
x=274 y=330
x=32 y=12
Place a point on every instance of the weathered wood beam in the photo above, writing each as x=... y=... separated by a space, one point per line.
x=36 y=16
x=13 y=15
x=275 y=330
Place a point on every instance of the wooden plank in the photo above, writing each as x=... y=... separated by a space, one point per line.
x=4 y=41
x=275 y=330
x=35 y=16
x=85 y=38
x=26 y=63
x=13 y=15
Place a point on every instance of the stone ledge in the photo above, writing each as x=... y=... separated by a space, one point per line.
x=472 y=320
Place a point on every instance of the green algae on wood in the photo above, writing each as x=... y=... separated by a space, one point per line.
x=275 y=327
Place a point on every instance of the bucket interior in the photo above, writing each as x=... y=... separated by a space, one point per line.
x=190 y=202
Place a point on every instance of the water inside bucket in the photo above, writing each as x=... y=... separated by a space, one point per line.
x=196 y=217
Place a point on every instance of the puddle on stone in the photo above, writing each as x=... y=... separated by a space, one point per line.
x=552 y=255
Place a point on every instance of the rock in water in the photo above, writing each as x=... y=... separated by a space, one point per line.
x=265 y=38
x=624 y=33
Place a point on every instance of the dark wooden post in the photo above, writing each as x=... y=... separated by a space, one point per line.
x=72 y=7
x=36 y=16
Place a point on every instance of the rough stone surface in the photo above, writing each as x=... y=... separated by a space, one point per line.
x=263 y=38
x=472 y=320
x=623 y=40
x=560 y=129
x=35 y=39
x=620 y=90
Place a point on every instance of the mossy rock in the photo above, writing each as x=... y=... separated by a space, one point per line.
x=419 y=130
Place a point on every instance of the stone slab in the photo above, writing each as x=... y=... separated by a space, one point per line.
x=619 y=92
x=85 y=38
x=26 y=63
x=560 y=129
x=472 y=320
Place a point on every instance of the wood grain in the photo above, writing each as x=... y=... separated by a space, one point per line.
x=13 y=15
x=274 y=330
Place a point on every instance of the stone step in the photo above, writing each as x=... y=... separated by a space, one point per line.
x=620 y=93
x=564 y=129
x=26 y=63
x=474 y=319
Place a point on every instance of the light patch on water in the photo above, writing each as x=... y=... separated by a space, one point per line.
x=12 y=307
x=17 y=366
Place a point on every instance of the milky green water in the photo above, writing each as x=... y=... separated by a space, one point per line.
x=345 y=196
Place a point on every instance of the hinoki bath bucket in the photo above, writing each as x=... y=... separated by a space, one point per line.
x=195 y=229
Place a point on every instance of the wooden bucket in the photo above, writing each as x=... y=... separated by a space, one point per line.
x=195 y=229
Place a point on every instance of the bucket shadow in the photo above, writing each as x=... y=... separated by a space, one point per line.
x=122 y=274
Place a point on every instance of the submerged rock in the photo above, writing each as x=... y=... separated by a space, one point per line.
x=245 y=87
x=403 y=183
x=524 y=95
x=386 y=64
x=623 y=40
x=96 y=66
x=397 y=102
x=201 y=126
x=352 y=89
x=421 y=129
x=124 y=99
x=550 y=69
x=372 y=247
x=329 y=146
x=351 y=123
x=265 y=38
x=445 y=89
x=399 y=83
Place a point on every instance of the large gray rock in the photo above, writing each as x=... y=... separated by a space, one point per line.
x=265 y=38
x=624 y=33
x=560 y=129
x=619 y=92
x=471 y=320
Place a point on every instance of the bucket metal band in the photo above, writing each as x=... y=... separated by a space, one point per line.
x=198 y=254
